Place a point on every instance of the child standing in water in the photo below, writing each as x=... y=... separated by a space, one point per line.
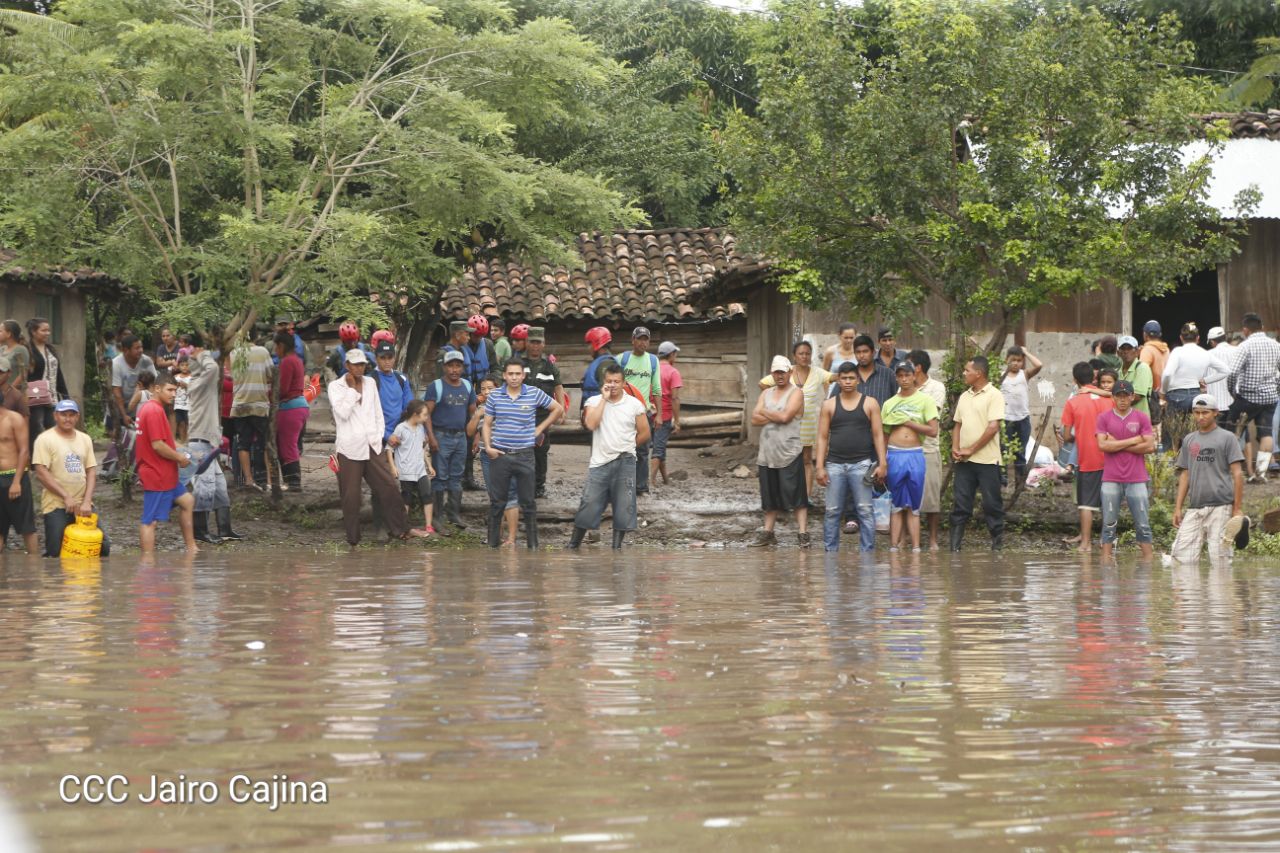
x=411 y=464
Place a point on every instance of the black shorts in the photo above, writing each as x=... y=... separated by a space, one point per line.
x=416 y=494
x=783 y=489
x=1089 y=490
x=251 y=431
x=19 y=514
x=180 y=416
x=1242 y=411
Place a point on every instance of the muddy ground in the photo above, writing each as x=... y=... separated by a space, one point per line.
x=705 y=506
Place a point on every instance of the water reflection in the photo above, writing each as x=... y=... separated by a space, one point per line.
x=648 y=700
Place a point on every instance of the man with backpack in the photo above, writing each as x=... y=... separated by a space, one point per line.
x=640 y=370
x=394 y=390
x=541 y=372
x=600 y=340
x=450 y=402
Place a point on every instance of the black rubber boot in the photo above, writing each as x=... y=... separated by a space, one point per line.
x=531 y=530
x=997 y=542
x=437 y=510
x=575 y=540
x=200 y=524
x=957 y=536
x=293 y=476
x=451 y=511
x=618 y=536
x=224 y=525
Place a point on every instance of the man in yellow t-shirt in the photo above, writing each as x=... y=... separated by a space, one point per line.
x=976 y=452
x=65 y=465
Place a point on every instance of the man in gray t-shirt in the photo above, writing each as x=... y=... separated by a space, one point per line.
x=125 y=370
x=1210 y=486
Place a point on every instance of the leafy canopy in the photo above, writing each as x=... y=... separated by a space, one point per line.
x=221 y=155
x=991 y=154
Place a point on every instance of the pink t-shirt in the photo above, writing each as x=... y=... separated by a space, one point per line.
x=1124 y=467
x=670 y=378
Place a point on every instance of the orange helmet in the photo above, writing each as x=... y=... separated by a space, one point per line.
x=520 y=332
x=349 y=332
x=380 y=336
x=597 y=337
x=478 y=324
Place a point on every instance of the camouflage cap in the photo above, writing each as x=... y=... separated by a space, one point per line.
x=537 y=333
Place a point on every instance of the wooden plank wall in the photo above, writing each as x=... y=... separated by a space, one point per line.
x=1251 y=281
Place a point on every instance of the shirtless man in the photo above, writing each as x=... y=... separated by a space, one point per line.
x=838 y=353
x=17 y=509
x=908 y=417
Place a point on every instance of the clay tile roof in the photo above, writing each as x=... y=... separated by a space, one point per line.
x=55 y=275
x=1248 y=125
x=628 y=276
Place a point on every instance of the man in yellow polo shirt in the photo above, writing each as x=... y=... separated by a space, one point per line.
x=976 y=451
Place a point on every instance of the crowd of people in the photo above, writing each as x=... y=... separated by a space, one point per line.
x=863 y=420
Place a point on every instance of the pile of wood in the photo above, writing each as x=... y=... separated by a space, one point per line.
x=700 y=430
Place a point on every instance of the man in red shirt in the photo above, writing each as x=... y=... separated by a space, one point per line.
x=158 y=464
x=1079 y=417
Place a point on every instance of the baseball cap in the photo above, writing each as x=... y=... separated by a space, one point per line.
x=640 y=332
x=537 y=333
x=284 y=318
x=67 y=406
x=458 y=326
x=1127 y=341
x=904 y=365
x=453 y=355
x=1204 y=401
x=1217 y=333
x=356 y=356
x=667 y=347
x=1151 y=327
x=1122 y=387
x=384 y=348
x=780 y=362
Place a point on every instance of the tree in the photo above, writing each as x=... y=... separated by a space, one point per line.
x=224 y=155
x=994 y=156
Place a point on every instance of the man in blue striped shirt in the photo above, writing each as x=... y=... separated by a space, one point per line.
x=511 y=431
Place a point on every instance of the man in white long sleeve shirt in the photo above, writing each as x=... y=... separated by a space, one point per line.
x=357 y=416
x=1189 y=370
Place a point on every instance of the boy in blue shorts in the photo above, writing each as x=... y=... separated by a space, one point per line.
x=908 y=416
x=158 y=464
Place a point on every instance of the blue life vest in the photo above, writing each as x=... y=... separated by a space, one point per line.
x=591 y=385
x=478 y=368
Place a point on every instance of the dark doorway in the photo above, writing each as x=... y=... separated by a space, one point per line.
x=1195 y=301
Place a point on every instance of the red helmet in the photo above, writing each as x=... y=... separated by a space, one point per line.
x=520 y=332
x=380 y=336
x=349 y=332
x=598 y=336
x=478 y=324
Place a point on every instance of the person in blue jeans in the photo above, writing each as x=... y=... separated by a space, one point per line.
x=1125 y=437
x=850 y=445
x=450 y=401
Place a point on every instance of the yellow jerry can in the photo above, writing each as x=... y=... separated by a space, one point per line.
x=83 y=539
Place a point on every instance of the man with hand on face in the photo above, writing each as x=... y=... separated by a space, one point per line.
x=66 y=467
x=618 y=424
x=357 y=444
x=511 y=430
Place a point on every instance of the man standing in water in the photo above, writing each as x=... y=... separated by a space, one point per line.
x=511 y=430
x=618 y=424
x=976 y=452
x=65 y=465
x=1125 y=437
x=908 y=416
x=931 y=502
x=850 y=445
x=780 y=462
x=541 y=372
x=1210 y=488
x=17 y=505
x=158 y=464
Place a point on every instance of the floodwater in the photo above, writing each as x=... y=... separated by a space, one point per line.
x=648 y=701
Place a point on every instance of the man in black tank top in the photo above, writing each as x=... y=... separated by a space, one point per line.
x=850 y=444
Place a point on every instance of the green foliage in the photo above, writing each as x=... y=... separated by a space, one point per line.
x=994 y=154
x=1264 y=544
x=220 y=159
x=1257 y=86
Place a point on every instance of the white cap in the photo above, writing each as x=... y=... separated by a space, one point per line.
x=780 y=362
x=1217 y=333
x=1204 y=401
x=1127 y=341
x=356 y=356
x=667 y=347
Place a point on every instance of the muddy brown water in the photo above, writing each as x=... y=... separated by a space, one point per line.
x=648 y=701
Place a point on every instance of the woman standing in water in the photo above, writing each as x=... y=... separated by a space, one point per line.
x=43 y=368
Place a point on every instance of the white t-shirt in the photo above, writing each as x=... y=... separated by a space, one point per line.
x=1017 y=403
x=1187 y=365
x=616 y=434
x=409 y=455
